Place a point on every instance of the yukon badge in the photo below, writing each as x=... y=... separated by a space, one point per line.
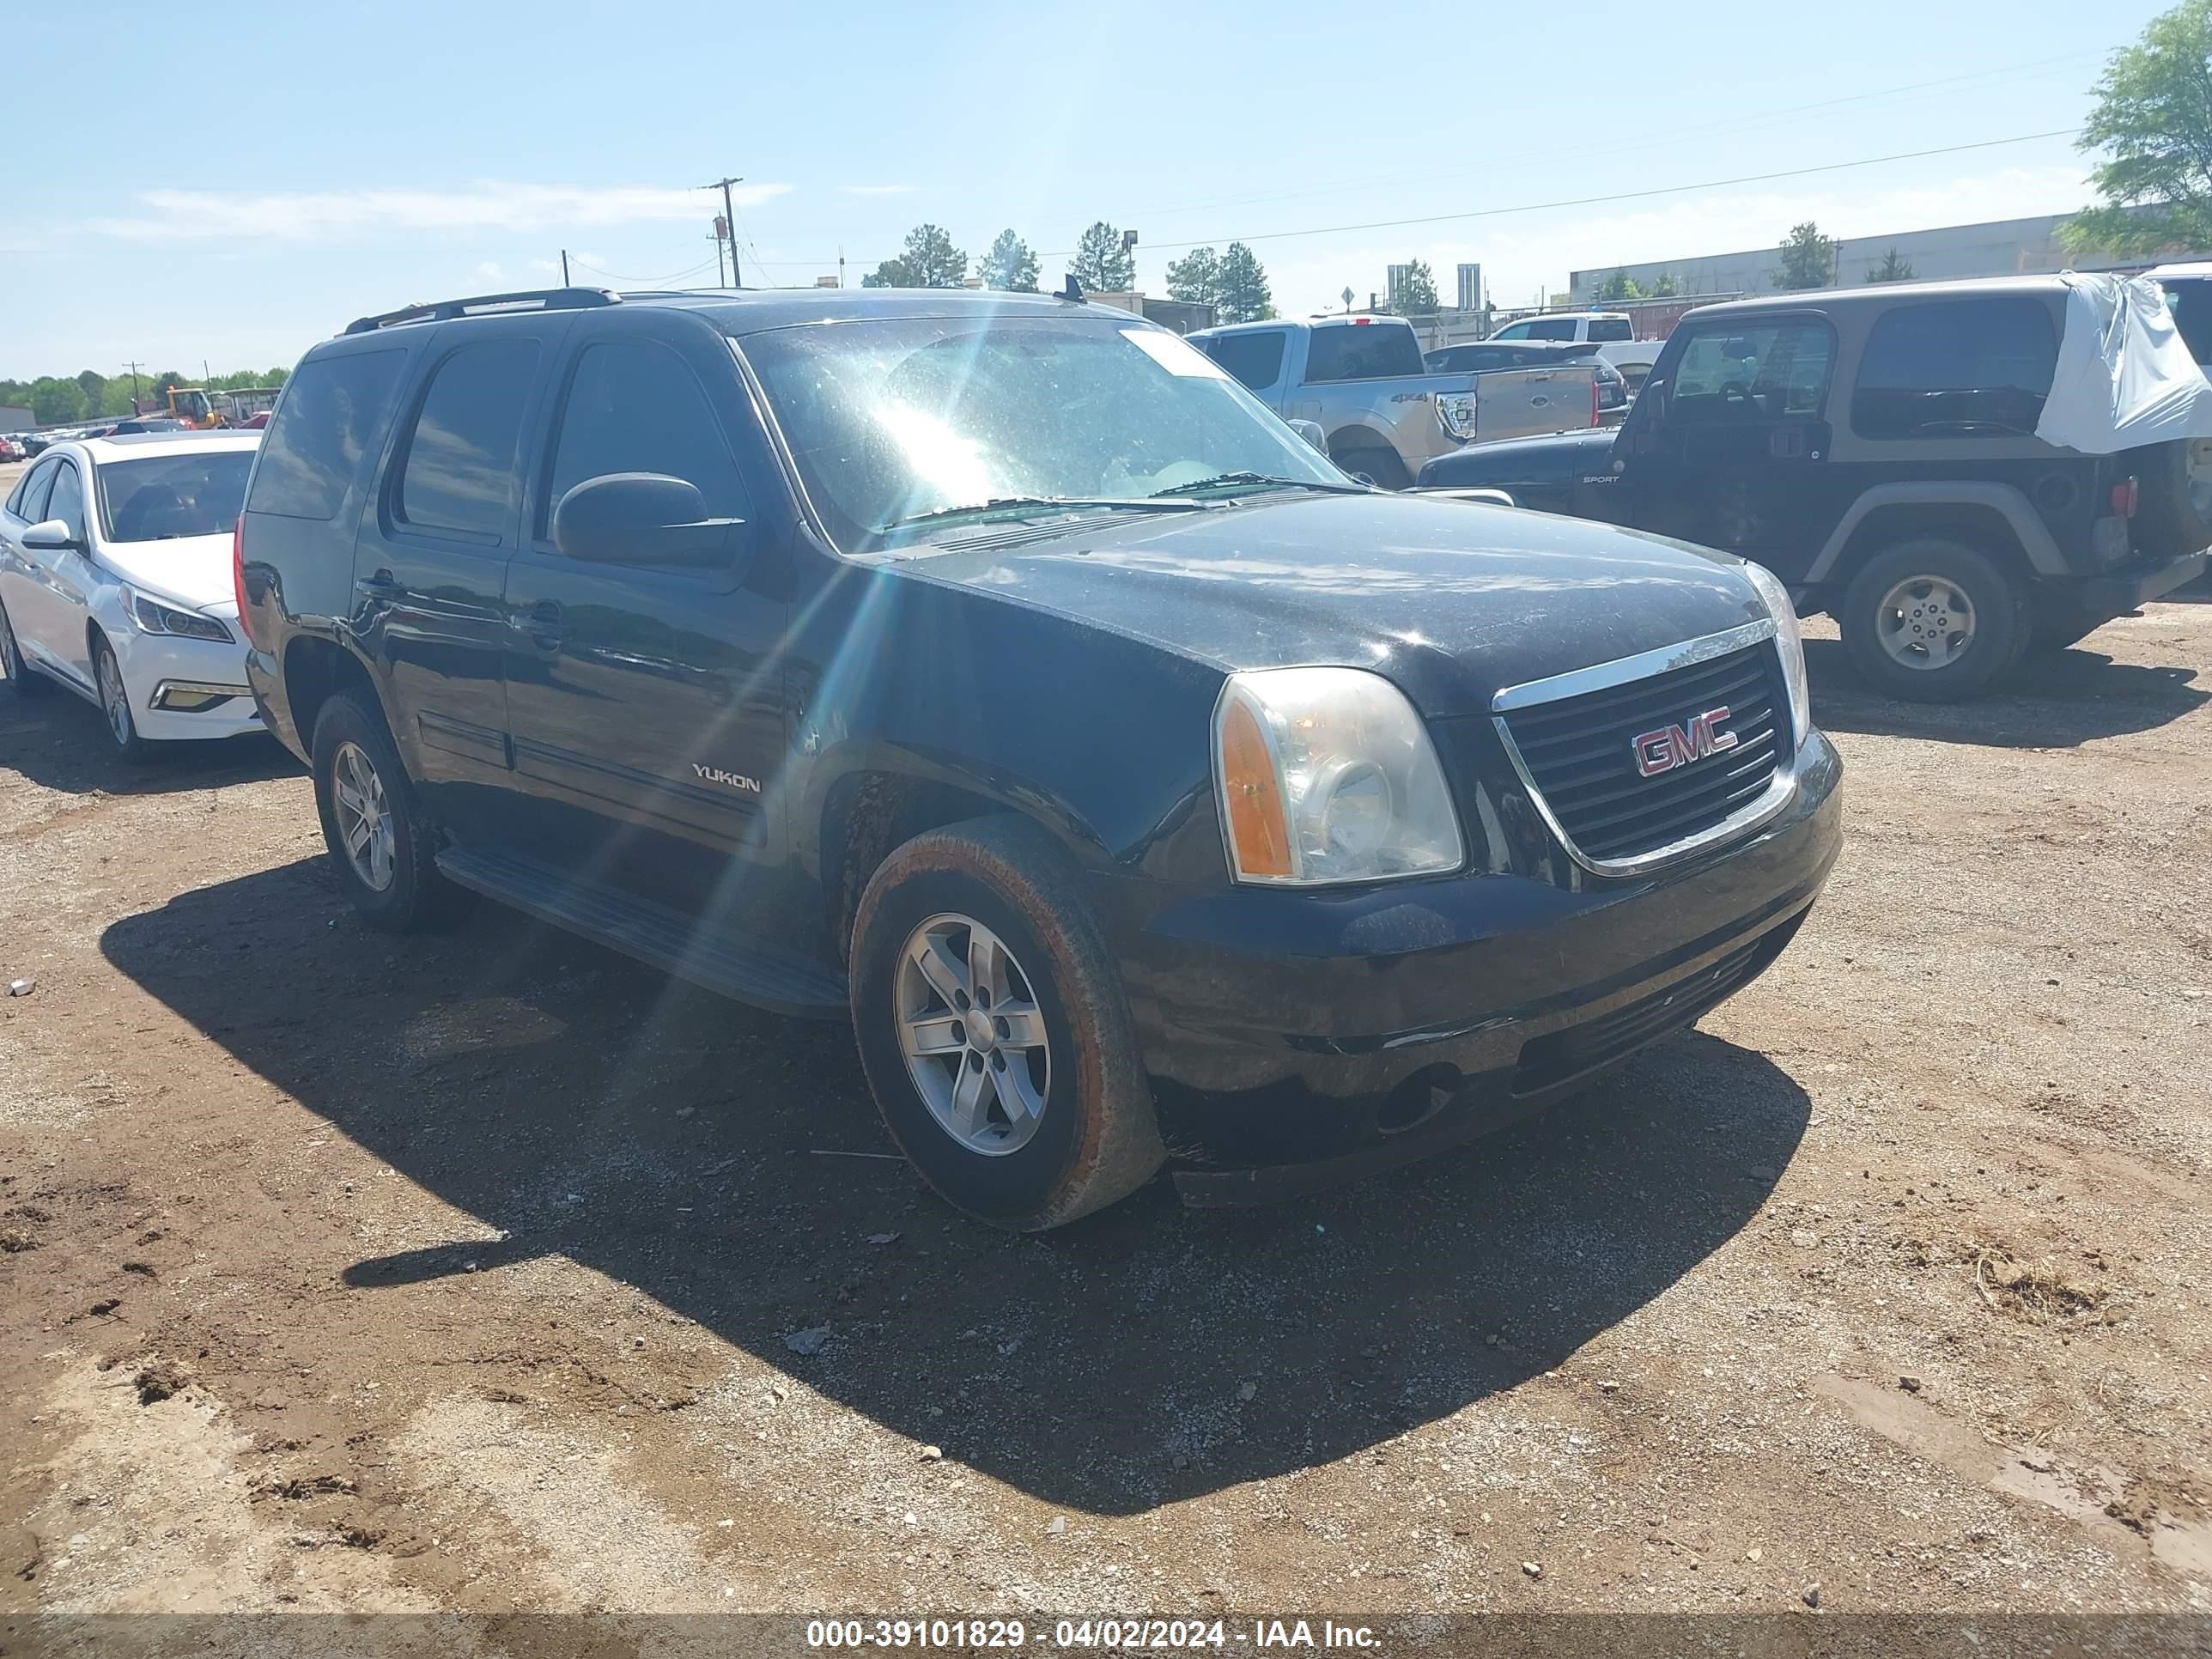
x=739 y=780
x=1670 y=746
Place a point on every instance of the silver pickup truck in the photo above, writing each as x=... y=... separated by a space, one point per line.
x=1382 y=414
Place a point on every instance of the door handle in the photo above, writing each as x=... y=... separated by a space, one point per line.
x=382 y=586
x=544 y=624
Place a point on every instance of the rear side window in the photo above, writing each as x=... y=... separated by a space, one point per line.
x=458 y=477
x=330 y=412
x=1956 y=368
x=633 y=406
x=1354 y=351
x=1610 y=328
x=1547 y=328
x=2189 y=300
x=1256 y=359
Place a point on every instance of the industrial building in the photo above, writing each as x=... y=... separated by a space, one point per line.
x=2004 y=247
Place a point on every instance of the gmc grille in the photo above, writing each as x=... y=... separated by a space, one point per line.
x=1579 y=753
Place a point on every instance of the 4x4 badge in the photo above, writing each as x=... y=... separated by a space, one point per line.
x=739 y=780
x=1670 y=746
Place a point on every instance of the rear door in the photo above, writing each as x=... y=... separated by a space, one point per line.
x=431 y=561
x=1733 y=450
x=648 y=703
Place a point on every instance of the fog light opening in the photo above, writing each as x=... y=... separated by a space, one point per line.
x=1418 y=1099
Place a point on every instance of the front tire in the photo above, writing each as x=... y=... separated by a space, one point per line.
x=1380 y=467
x=384 y=849
x=1933 y=620
x=115 y=704
x=993 y=1028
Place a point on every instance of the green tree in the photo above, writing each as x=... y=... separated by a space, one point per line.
x=53 y=400
x=1101 y=263
x=929 y=260
x=1808 y=259
x=1417 y=290
x=164 y=380
x=1618 y=287
x=115 y=397
x=1894 y=268
x=1664 y=287
x=1009 y=265
x=1196 y=277
x=2154 y=121
x=1244 y=291
x=93 y=382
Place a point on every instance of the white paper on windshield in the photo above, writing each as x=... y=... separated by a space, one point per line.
x=2125 y=378
x=1175 y=353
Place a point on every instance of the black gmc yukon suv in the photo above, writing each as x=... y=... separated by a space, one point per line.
x=997 y=673
x=1875 y=448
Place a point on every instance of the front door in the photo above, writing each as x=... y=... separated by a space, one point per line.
x=1732 y=452
x=432 y=558
x=647 y=703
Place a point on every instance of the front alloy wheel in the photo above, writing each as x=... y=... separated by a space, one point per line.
x=115 y=702
x=973 y=1038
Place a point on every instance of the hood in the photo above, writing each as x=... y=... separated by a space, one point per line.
x=192 y=571
x=1450 y=601
x=1553 y=457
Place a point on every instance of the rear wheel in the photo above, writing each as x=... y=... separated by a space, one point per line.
x=384 y=848
x=1932 y=620
x=23 y=680
x=993 y=1028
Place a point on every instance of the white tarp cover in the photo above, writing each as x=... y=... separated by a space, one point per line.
x=2124 y=377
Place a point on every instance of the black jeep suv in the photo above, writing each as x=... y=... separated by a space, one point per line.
x=1875 y=448
x=996 y=672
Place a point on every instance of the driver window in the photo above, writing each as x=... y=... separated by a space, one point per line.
x=67 y=502
x=1762 y=371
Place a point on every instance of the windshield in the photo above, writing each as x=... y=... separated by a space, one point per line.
x=163 y=497
x=892 y=420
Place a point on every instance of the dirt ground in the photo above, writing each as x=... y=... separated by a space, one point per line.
x=491 y=1272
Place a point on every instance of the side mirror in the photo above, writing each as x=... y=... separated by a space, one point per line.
x=52 y=536
x=642 y=518
x=1311 y=431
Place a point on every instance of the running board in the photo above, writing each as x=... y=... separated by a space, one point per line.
x=656 y=935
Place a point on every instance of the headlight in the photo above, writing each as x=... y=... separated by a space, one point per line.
x=1789 y=641
x=1456 y=414
x=155 y=617
x=1326 y=775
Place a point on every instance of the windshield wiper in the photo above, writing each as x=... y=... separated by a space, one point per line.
x=1268 y=479
x=1030 y=503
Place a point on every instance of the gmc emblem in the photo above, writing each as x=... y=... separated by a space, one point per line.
x=1671 y=746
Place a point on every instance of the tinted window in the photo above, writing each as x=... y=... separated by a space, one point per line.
x=330 y=413
x=634 y=407
x=67 y=502
x=458 y=476
x=1512 y=331
x=1547 y=328
x=163 y=497
x=1955 y=368
x=1756 y=372
x=1357 y=351
x=33 y=508
x=1610 y=328
x=1255 y=359
x=2189 y=300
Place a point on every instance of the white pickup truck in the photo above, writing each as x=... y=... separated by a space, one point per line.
x=1381 y=413
x=1611 y=331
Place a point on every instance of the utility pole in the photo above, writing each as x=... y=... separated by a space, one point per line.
x=717 y=236
x=564 y=267
x=730 y=214
x=133 y=368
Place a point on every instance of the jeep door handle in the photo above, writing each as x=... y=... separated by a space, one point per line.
x=543 y=624
x=382 y=586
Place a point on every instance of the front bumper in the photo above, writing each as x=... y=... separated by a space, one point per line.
x=1295 y=1039
x=183 y=689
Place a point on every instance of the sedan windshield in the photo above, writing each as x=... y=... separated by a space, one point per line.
x=904 y=427
x=160 y=497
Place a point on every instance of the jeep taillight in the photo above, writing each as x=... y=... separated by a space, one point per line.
x=2124 y=494
x=238 y=577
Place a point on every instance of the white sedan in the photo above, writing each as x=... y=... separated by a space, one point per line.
x=115 y=581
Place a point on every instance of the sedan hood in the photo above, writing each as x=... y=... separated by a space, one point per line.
x=192 y=571
x=1450 y=601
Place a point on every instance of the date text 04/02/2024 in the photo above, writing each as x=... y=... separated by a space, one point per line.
x=1119 y=1635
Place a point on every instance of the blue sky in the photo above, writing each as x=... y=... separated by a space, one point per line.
x=340 y=158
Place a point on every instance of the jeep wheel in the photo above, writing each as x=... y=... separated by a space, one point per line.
x=382 y=846
x=1931 y=620
x=993 y=1029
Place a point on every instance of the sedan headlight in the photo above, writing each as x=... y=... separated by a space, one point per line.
x=1327 y=775
x=155 y=617
x=1456 y=414
x=1789 y=641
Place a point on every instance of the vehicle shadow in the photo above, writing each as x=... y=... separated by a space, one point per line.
x=2053 y=701
x=59 y=741
x=590 y=1107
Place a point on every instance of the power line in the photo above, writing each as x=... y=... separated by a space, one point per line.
x=650 y=282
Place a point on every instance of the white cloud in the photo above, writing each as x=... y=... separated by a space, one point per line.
x=489 y=270
x=546 y=267
x=877 y=189
x=313 y=215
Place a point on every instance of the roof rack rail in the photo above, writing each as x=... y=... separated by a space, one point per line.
x=545 y=299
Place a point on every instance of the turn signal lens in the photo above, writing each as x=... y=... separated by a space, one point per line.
x=1326 y=775
x=238 y=575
